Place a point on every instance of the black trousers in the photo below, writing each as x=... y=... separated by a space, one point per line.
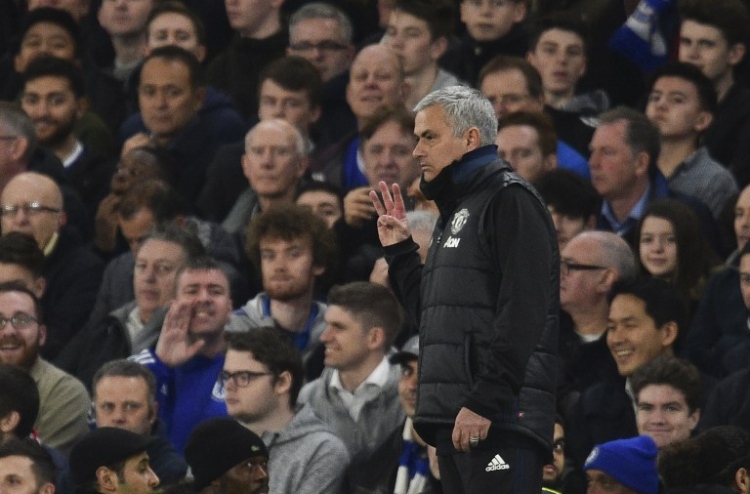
x=503 y=463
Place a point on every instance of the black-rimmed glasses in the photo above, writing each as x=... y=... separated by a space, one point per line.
x=567 y=266
x=241 y=379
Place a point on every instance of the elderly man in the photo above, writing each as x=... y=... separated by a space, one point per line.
x=484 y=348
x=273 y=163
x=32 y=203
x=376 y=79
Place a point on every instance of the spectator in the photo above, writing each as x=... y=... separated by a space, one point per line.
x=400 y=464
x=627 y=466
x=171 y=92
x=274 y=163
x=527 y=141
x=672 y=247
x=513 y=85
x=125 y=397
x=172 y=23
x=725 y=26
x=418 y=32
x=376 y=80
x=189 y=353
x=112 y=460
x=721 y=315
x=54 y=97
x=63 y=400
x=226 y=458
x=323 y=199
x=259 y=38
x=645 y=317
x=293 y=250
x=134 y=326
x=357 y=394
x=571 y=201
x=262 y=377
x=681 y=104
x=33 y=204
x=590 y=265
x=668 y=397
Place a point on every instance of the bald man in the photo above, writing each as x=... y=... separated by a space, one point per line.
x=32 y=203
x=376 y=79
x=274 y=163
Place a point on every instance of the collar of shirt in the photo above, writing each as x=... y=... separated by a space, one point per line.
x=634 y=215
x=368 y=390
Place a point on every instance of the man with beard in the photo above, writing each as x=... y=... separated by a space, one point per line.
x=63 y=400
x=190 y=351
x=292 y=248
x=53 y=96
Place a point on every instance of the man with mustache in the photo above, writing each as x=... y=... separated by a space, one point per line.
x=63 y=400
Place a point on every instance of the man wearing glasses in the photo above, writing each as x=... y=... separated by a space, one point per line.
x=32 y=203
x=590 y=264
x=63 y=400
x=261 y=379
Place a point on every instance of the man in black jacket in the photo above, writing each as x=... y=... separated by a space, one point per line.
x=487 y=304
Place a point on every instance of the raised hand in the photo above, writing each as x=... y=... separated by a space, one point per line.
x=392 y=227
x=358 y=207
x=175 y=347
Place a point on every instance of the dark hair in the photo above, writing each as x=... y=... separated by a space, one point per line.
x=42 y=463
x=730 y=17
x=176 y=7
x=438 y=14
x=19 y=393
x=17 y=286
x=22 y=250
x=175 y=234
x=539 y=122
x=564 y=21
x=641 y=135
x=202 y=262
x=568 y=193
x=371 y=305
x=674 y=372
x=384 y=115
x=290 y=222
x=692 y=74
x=126 y=368
x=505 y=63
x=695 y=258
x=662 y=303
x=170 y=53
x=294 y=74
x=157 y=196
x=51 y=15
x=317 y=185
x=46 y=66
x=712 y=457
x=275 y=351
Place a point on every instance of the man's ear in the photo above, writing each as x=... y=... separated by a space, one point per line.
x=375 y=337
x=438 y=48
x=107 y=480
x=47 y=488
x=283 y=383
x=473 y=138
x=742 y=479
x=42 y=334
x=736 y=54
x=703 y=121
x=670 y=334
x=9 y=423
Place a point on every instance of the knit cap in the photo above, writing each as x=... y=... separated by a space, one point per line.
x=217 y=445
x=632 y=462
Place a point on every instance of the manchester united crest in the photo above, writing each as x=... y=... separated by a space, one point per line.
x=459 y=220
